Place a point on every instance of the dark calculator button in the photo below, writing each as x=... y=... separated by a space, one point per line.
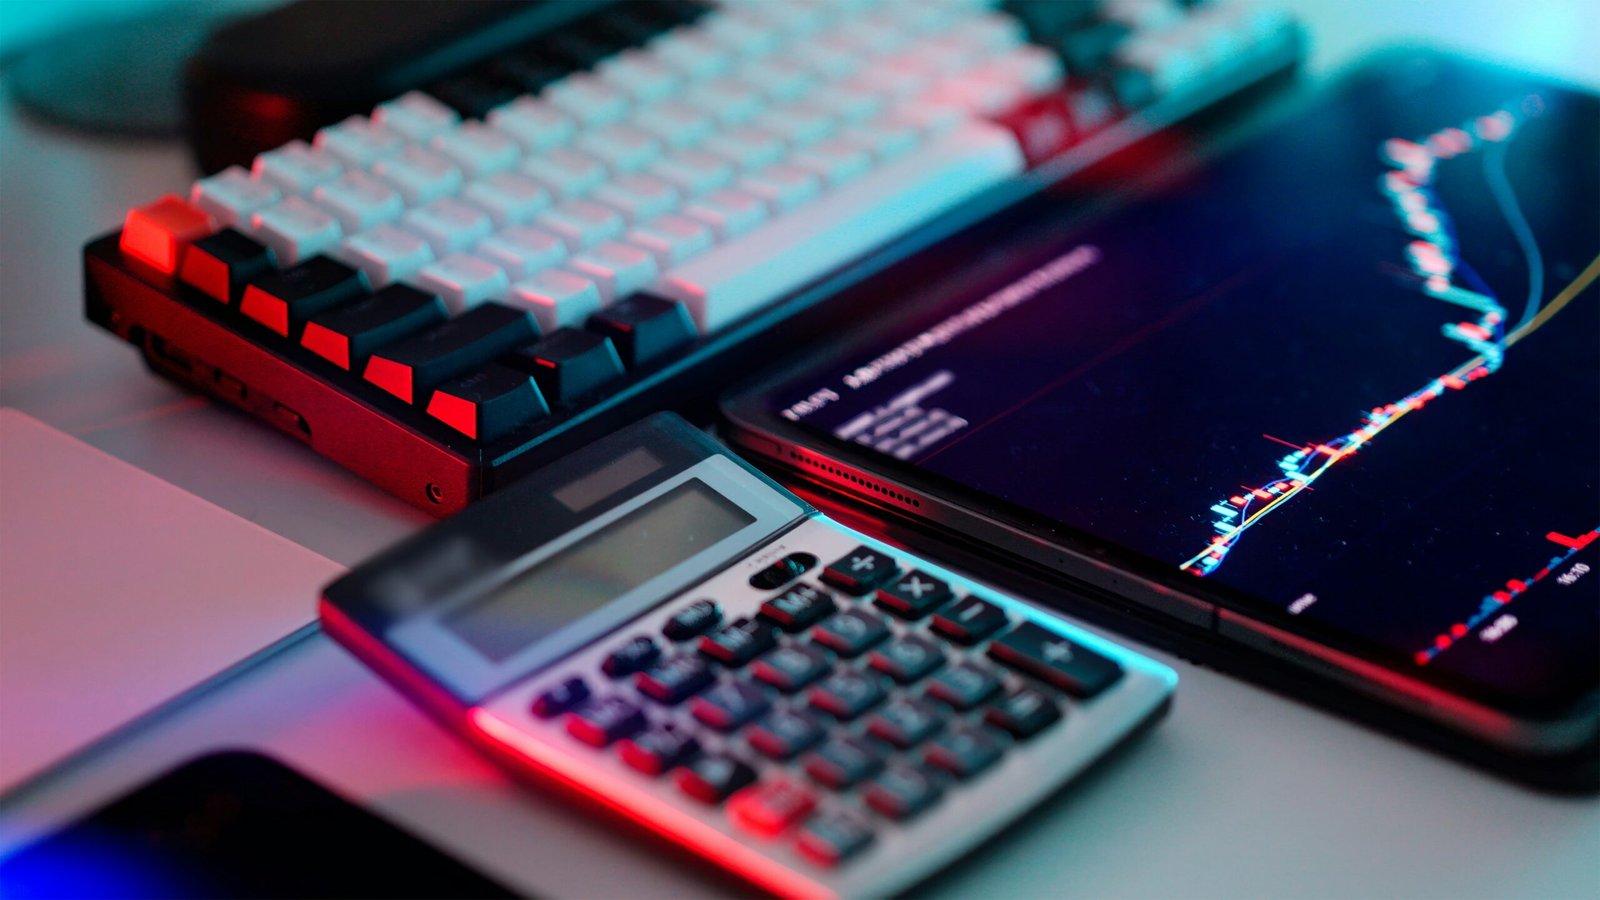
x=851 y=633
x=964 y=750
x=843 y=762
x=634 y=656
x=644 y=328
x=489 y=403
x=830 y=838
x=798 y=608
x=1024 y=713
x=603 y=720
x=710 y=778
x=792 y=667
x=730 y=705
x=905 y=722
x=914 y=595
x=782 y=572
x=770 y=807
x=412 y=366
x=693 y=619
x=659 y=748
x=739 y=641
x=675 y=680
x=561 y=698
x=221 y=265
x=1052 y=658
x=847 y=694
x=569 y=363
x=902 y=791
x=964 y=685
x=861 y=570
x=350 y=334
x=283 y=301
x=969 y=621
x=784 y=734
x=906 y=659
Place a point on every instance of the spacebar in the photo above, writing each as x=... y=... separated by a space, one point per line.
x=751 y=271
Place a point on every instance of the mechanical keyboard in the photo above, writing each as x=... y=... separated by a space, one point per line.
x=478 y=276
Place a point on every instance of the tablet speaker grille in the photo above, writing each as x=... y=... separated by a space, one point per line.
x=839 y=473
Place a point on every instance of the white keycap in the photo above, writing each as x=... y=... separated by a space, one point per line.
x=537 y=125
x=463 y=281
x=589 y=99
x=420 y=175
x=975 y=96
x=522 y=250
x=448 y=225
x=850 y=103
x=927 y=118
x=783 y=186
x=617 y=269
x=1170 y=66
x=296 y=230
x=1142 y=15
x=582 y=223
x=673 y=239
x=778 y=79
x=893 y=78
x=874 y=38
x=231 y=196
x=741 y=276
x=1036 y=68
x=741 y=34
x=747 y=147
x=831 y=59
x=646 y=78
x=358 y=141
x=639 y=198
x=415 y=115
x=728 y=101
x=837 y=161
x=695 y=172
x=991 y=31
x=886 y=141
x=694 y=54
x=478 y=149
x=565 y=172
x=728 y=212
x=622 y=147
x=359 y=201
x=510 y=198
x=799 y=125
x=557 y=298
x=676 y=124
x=386 y=254
x=296 y=167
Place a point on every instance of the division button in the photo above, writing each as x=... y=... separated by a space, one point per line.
x=908 y=658
x=913 y=595
x=489 y=403
x=1054 y=659
x=964 y=685
x=659 y=748
x=861 y=570
x=843 y=762
x=1024 y=713
x=712 y=777
x=739 y=642
x=798 y=608
x=560 y=698
x=784 y=734
x=644 y=328
x=411 y=367
x=730 y=705
x=675 y=680
x=569 y=363
x=350 y=334
x=902 y=791
x=220 y=265
x=792 y=667
x=603 y=720
x=847 y=694
x=634 y=656
x=692 y=620
x=768 y=808
x=284 y=301
x=830 y=838
x=969 y=621
x=964 y=751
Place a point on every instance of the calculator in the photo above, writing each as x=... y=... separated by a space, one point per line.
x=656 y=624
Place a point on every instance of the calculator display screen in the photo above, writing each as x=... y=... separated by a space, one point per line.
x=598 y=568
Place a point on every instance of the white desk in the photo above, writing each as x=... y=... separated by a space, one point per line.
x=1239 y=793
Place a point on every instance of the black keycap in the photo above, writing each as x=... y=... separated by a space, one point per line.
x=847 y=693
x=692 y=620
x=220 y=265
x=569 y=364
x=489 y=403
x=905 y=722
x=574 y=48
x=284 y=301
x=851 y=633
x=830 y=838
x=473 y=95
x=347 y=336
x=798 y=608
x=710 y=778
x=634 y=656
x=675 y=680
x=964 y=750
x=602 y=720
x=412 y=366
x=914 y=595
x=969 y=621
x=527 y=73
x=739 y=642
x=644 y=328
x=1090 y=48
x=782 y=572
x=1052 y=658
x=906 y=659
x=861 y=570
x=843 y=762
x=659 y=748
x=771 y=806
x=792 y=667
x=902 y=791
x=964 y=685
x=561 y=698
x=784 y=734
x=1024 y=713
x=1048 y=20
x=730 y=705
x=1133 y=89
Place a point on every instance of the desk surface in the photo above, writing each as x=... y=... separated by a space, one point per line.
x=1240 y=792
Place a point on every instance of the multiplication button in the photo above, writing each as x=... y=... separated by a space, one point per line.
x=914 y=595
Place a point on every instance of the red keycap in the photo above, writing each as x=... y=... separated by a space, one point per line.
x=159 y=232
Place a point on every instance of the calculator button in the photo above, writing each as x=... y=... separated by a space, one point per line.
x=906 y=659
x=569 y=363
x=860 y=571
x=606 y=719
x=659 y=748
x=784 y=733
x=902 y=791
x=634 y=656
x=675 y=680
x=851 y=633
x=798 y=608
x=969 y=621
x=1024 y=713
x=739 y=642
x=964 y=751
x=905 y=722
x=782 y=572
x=833 y=837
x=843 y=762
x=730 y=705
x=964 y=686
x=712 y=777
x=847 y=693
x=792 y=667
x=561 y=698
x=913 y=596
x=770 y=807
x=1049 y=656
x=283 y=301
x=692 y=620
x=644 y=327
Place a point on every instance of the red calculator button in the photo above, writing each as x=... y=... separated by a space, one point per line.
x=768 y=808
x=159 y=232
